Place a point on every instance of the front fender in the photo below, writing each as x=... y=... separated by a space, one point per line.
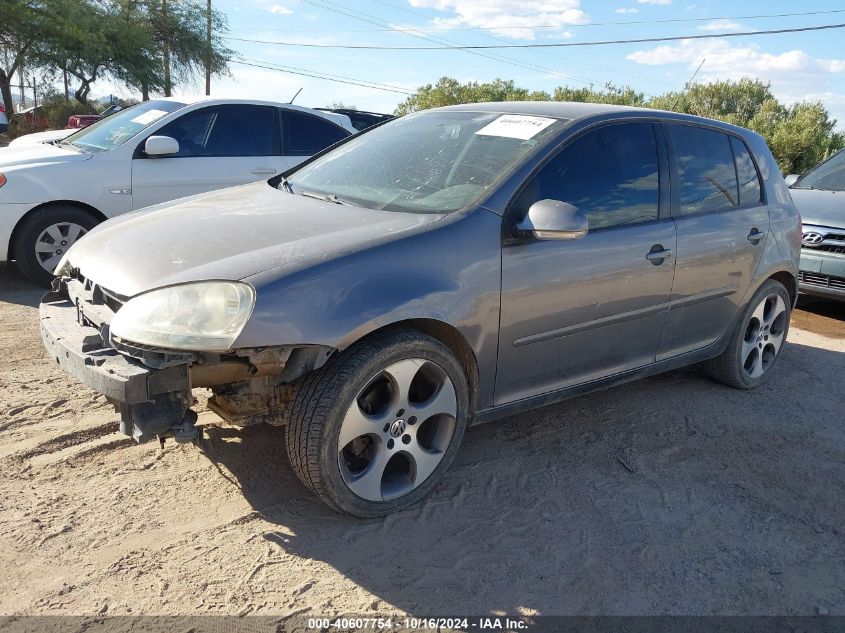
x=449 y=274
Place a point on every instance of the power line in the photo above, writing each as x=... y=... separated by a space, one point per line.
x=463 y=47
x=320 y=72
x=315 y=75
x=334 y=7
x=543 y=26
x=542 y=52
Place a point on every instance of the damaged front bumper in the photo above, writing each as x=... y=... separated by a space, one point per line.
x=151 y=388
x=152 y=402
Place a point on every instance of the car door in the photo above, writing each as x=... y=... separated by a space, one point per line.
x=574 y=311
x=722 y=225
x=219 y=146
x=304 y=134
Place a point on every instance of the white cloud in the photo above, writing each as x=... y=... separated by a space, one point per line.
x=279 y=10
x=721 y=25
x=503 y=15
x=655 y=1
x=630 y=10
x=794 y=75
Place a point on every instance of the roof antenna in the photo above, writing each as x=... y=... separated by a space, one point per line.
x=300 y=90
x=686 y=85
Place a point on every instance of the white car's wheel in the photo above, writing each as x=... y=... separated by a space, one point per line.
x=45 y=236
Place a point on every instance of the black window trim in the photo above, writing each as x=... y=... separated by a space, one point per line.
x=674 y=177
x=663 y=173
x=283 y=130
x=279 y=147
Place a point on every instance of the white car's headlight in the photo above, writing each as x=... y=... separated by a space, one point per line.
x=205 y=317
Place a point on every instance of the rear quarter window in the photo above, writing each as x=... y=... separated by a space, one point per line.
x=306 y=134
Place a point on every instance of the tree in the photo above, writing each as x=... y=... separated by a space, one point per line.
x=799 y=135
x=179 y=28
x=23 y=28
x=449 y=91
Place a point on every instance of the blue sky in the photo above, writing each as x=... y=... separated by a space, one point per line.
x=799 y=65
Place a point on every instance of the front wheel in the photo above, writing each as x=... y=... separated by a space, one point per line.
x=757 y=341
x=45 y=236
x=374 y=430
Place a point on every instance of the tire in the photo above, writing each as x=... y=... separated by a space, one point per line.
x=59 y=225
x=353 y=437
x=757 y=340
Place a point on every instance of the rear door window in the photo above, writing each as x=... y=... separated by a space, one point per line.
x=704 y=162
x=306 y=134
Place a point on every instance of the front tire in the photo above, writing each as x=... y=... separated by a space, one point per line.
x=44 y=237
x=757 y=340
x=373 y=431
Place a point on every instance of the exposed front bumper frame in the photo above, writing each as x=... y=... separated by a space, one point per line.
x=152 y=402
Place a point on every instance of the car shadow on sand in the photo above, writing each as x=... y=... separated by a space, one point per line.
x=669 y=495
x=15 y=288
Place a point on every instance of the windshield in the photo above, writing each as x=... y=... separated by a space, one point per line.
x=429 y=162
x=829 y=175
x=115 y=130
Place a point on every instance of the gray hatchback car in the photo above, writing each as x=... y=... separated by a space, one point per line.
x=446 y=268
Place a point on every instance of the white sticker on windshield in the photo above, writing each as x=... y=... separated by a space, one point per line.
x=145 y=118
x=516 y=126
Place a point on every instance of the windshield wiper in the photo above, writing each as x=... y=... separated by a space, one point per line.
x=329 y=197
x=284 y=182
x=69 y=145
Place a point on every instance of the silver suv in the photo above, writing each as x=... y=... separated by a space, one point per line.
x=446 y=268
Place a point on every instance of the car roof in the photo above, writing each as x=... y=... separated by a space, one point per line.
x=340 y=119
x=578 y=111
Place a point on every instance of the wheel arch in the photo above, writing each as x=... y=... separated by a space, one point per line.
x=789 y=281
x=46 y=205
x=451 y=337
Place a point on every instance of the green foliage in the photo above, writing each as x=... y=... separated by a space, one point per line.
x=145 y=44
x=449 y=91
x=800 y=135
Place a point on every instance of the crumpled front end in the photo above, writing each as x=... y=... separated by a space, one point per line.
x=152 y=388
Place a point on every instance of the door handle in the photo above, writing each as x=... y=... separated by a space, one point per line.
x=658 y=254
x=755 y=235
x=264 y=171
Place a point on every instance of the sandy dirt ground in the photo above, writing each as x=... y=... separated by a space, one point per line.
x=671 y=495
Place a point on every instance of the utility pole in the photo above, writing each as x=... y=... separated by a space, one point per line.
x=165 y=49
x=208 y=50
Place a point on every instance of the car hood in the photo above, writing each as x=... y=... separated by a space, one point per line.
x=820 y=207
x=41 y=137
x=230 y=234
x=37 y=154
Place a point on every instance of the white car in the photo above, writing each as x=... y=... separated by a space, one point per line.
x=50 y=136
x=52 y=193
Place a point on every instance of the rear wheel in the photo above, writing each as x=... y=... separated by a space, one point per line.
x=45 y=236
x=374 y=430
x=757 y=340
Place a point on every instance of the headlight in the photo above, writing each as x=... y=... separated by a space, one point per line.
x=2 y=180
x=205 y=317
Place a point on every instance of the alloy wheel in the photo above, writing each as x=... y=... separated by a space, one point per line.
x=397 y=430
x=764 y=336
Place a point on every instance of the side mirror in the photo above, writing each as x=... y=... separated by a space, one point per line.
x=791 y=179
x=554 y=220
x=161 y=146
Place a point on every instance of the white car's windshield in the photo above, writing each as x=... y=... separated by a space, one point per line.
x=429 y=162
x=118 y=128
